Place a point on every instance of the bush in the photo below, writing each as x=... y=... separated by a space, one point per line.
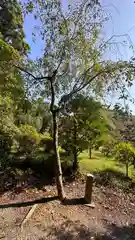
x=27 y=141
x=30 y=132
x=35 y=151
x=125 y=153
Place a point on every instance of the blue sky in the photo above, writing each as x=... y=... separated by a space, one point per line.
x=122 y=21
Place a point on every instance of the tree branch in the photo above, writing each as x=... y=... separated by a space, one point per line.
x=66 y=97
x=84 y=74
x=30 y=74
x=113 y=37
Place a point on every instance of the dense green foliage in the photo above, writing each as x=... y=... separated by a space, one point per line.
x=86 y=121
x=11 y=25
x=125 y=153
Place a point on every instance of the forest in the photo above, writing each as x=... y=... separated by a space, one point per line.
x=56 y=125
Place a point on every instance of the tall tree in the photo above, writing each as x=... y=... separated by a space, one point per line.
x=13 y=49
x=72 y=60
x=11 y=25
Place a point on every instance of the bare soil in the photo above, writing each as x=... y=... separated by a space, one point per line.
x=112 y=218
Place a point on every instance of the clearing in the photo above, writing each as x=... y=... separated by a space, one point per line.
x=100 y=163
x=112 y=218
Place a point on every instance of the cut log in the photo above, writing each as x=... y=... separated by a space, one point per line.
x=88 y=188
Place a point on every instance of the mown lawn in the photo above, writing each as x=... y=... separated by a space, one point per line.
x=100 y=163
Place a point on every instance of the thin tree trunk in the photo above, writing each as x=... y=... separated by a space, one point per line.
x=58 y=169
x=75 y=161
x=90 y=152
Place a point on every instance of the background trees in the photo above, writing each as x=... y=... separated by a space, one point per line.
x=12 y=50
x=83 y=125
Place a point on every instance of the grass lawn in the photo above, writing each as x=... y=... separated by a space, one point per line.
x=100 y=163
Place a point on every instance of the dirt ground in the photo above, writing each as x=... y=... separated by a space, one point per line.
x=112 y=218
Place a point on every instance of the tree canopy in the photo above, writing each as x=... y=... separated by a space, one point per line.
x=11 y=25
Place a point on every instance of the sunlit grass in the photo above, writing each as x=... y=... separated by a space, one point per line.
x=100 y=163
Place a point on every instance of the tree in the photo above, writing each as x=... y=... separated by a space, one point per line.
x=72 y=60
x=11 y=90
x=84 y=125
x=125 y=123
x=12 y=49
x=11 y=25
x=72 y=139
x=8 y=56
x=125 y=153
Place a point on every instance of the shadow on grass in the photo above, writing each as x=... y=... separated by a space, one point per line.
x=75 y=230
x=113 y=178
x=28 y=203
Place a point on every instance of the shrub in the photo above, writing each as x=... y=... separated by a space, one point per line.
x=35 y=152
x=30 y=132
x=125 y=153
x=28 y=141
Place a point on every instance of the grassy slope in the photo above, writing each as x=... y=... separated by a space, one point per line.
x=100 y=163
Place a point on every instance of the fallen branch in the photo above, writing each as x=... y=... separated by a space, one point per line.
x=28 y=215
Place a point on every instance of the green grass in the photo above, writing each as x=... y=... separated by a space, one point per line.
x=100 y=163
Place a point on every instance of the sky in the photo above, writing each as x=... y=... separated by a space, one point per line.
x=122 y=21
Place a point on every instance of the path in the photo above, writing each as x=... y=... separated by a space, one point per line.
x=112 y=218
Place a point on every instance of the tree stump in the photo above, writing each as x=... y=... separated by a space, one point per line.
x=88 y=190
